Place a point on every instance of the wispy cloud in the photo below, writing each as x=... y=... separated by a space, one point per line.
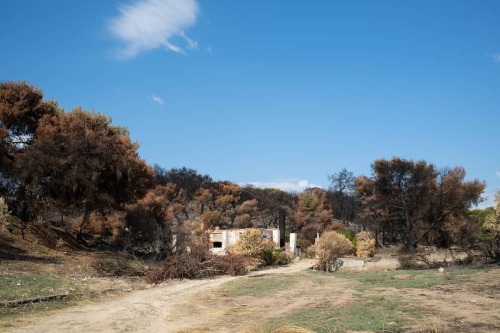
x=157 y=99
x=191 y=44
x=145 y=25
x=498 y=174
x=288 y=185
x=495 y=57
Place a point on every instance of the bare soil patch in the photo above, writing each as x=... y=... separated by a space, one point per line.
x=286 y=299
x=211 y=305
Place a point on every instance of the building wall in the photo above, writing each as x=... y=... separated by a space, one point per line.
x=222 y=239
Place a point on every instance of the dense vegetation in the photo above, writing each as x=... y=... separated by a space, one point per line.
x=76 y=170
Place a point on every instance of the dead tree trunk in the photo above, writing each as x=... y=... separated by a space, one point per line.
x=281 y=221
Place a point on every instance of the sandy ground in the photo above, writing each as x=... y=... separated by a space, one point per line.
x=155 y=309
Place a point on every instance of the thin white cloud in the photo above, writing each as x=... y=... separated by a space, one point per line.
x=495 y=57
x=157 y=99
x=288 y=185
x=145 y=25
x=498 y=174
x=191 y=44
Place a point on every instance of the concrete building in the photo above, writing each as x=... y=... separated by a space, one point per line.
x=222 y=239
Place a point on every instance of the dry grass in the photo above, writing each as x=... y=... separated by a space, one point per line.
x=456 y=300
x=396 y=301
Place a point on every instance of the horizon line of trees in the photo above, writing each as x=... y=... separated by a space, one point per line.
x=78 y=169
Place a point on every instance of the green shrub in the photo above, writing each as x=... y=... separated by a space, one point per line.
x=347 y=234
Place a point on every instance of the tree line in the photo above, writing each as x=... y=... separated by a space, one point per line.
x=77 y=170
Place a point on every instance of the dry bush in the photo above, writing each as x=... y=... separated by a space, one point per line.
x=195 y=235
x=141 y=224
x=276 y=257
x=117 y=226
x=304 y=243
x=337 y=226
x=329 y=247
x=252 y=244
x=5 y=215
x=177 y=266
x=4 y=209
x=492 y=231
x=117 y=267
x=96 y=224
x=365 y=244
x=211 y=219
x=492 y=222
x=244 y=221
x=188 y=265
x=192 y=258
x=412 y=261
x=231 y=264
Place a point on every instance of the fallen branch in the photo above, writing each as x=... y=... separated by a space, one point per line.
x=17 y=303
x=52 y=298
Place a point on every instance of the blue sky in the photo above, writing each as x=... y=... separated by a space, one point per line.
x=278 y=93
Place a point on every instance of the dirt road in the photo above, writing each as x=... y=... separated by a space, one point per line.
x=162 y=308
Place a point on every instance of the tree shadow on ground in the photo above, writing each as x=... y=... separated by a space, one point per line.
x=10 y=252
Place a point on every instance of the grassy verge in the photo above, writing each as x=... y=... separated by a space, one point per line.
x=27 y=287
x=369 y=308
x=30 y=286
x=258 y=286
x=373 y=318
x=405 y=278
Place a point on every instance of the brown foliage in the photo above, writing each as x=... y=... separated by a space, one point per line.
x=231 y=264
x=183 y=178
x=223 y=198
x=222 y=206
x=155 y=218
x=244 y=221
x=117 y=267
x=97 y=224
x=313 y=214
x=272 y=205
x=246 y=214
x=337 y=226
x=179 y=266
x=82 y=162
x=197 y=264
x=413 y=201
x=211 y=219
x=21 y=108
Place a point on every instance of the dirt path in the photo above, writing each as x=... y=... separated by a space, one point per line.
x=163 y=308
